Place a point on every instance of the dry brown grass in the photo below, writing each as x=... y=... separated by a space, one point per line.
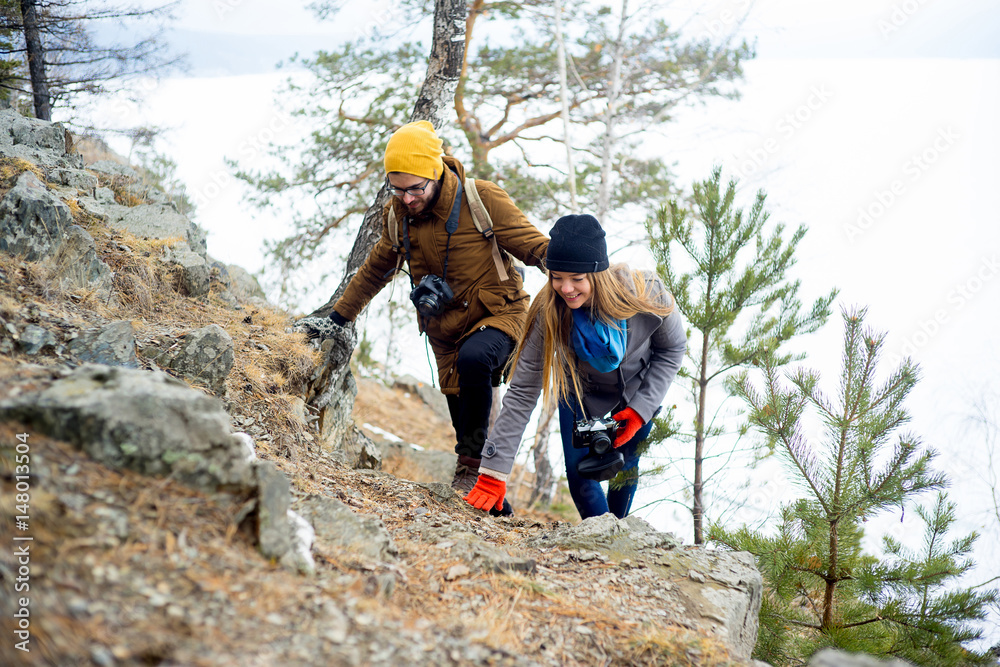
x=271 y=366
x=11 y=169
x=128 y=192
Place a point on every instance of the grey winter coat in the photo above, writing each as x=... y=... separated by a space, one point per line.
x=653 y=355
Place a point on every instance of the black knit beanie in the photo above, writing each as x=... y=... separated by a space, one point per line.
x=577 y=245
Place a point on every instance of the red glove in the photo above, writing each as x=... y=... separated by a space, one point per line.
x=629 y=424
x=488 y=493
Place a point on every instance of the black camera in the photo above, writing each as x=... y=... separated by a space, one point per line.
x=431 y=296
x=603 y=461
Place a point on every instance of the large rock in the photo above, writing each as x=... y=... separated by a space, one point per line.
x=78 y=179
x=161 y=221
x=477 y=554
x=243 y=285
x=205 y=356
x=331 y=393
x=720 y=590
x=36 y=141
x=196 y=274
x=274 y=532
x=336 y=525
x=619 y=538
x=77 y=265
x=432 y=397
x=148 y=422
x=112 y=345
x=33 y=221
x=417 y=465
x=717 y=592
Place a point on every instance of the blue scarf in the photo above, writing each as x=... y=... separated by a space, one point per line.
x=598 y=343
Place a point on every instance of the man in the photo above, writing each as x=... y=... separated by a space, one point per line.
x=475 y=331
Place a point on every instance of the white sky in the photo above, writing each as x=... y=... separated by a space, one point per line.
x=873 y=122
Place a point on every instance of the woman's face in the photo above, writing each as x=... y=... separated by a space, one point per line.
x=574 y=288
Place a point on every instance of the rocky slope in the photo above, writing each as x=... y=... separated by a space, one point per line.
x=177 y=504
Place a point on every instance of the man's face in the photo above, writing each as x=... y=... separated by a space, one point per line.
x=407 y=187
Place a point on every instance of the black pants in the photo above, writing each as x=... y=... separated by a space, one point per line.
x=481 y=361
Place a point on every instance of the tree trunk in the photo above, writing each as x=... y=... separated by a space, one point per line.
x=36 y=61
x=332 y=388
x=698 y=500
x=610 y=115
x=831 y=579
x=544 y=475
x=564 y=98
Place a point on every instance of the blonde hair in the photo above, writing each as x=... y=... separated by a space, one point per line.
x=617 y=294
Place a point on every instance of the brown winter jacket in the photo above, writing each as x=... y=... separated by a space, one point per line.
x=481 y=299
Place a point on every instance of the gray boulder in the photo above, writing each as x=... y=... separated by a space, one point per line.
x=35 y=140
x=417 y=465
x=78 y=266
x=33 y=221
x=274 y=533
x=456 y=542
x=205 y=356
x=147 y=422
x=79 y=179
x=717 y=592
x=623 y=538
x=720 y=591
x=34 y=339
x=38 y=134
x=160 y=221
x=112 y=345
x=242 y=284
x=196 y=274
x=337 y=526
x=432 y=397
x=112 y=168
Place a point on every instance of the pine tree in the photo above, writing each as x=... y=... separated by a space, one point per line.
x=821 y=589
x=738 y=275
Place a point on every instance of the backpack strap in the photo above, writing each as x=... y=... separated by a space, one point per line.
x=394 y=235
x=484 y=223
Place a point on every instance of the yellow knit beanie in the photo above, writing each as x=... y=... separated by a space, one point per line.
x=415 y=149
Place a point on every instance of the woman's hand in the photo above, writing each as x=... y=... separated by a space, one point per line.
x=487 y=494
x=629 y=424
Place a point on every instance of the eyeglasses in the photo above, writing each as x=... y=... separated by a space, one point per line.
x=415 y=191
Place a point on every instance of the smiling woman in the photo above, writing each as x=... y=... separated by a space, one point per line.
x=600 y=340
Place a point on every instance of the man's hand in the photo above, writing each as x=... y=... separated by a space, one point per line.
x=319 y=328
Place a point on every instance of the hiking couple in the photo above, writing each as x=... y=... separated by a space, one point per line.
x=598 y=338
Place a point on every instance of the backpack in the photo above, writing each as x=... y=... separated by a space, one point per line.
x=480 y=216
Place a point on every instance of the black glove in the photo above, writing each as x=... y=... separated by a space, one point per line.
x=338 y=319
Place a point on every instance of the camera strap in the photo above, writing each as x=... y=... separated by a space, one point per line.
x=620 y=382
x=451 y=226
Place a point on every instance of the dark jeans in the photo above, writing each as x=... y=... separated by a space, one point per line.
x=480 y=363
x=588 y=494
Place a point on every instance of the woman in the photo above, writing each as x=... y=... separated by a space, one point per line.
x=600 y=339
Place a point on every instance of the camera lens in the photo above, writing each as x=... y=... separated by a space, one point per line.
x=600 y=443
x=428 y=306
